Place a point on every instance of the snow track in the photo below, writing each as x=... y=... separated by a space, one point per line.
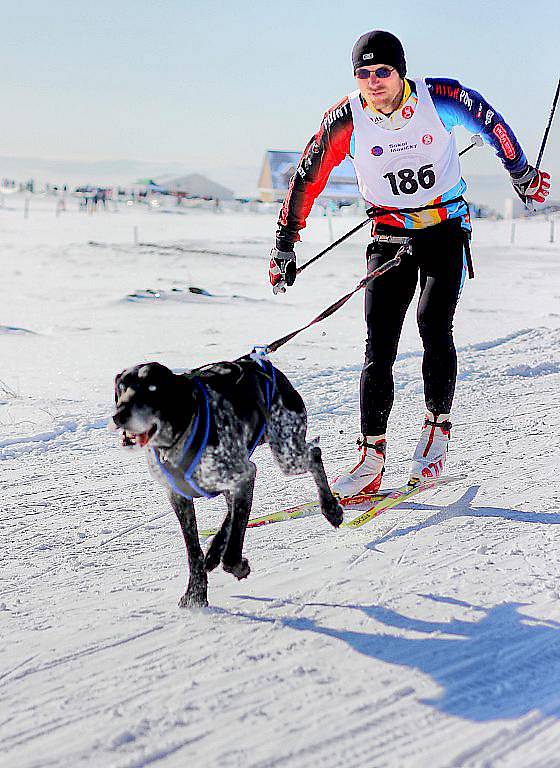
x=430 y=637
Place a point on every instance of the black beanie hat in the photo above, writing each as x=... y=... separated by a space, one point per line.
x=379 y=47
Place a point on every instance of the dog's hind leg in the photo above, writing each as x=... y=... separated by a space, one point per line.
x=286 y=432
x=197 y=588
x=239 y=502
x=218 y=544
x=330 y=507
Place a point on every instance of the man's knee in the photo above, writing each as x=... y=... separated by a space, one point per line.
x=435 y=330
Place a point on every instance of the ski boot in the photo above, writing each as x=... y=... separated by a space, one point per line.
x=366 y=476
x=431 y=452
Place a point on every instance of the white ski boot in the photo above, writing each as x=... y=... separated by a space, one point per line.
x=366 y=476
x=431 y=452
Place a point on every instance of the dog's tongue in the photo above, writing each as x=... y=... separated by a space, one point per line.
x=143 y=439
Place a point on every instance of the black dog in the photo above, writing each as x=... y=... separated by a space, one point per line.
x=199 y=430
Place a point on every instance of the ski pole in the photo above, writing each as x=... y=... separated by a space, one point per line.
x=547 y=130
x=333 y=245
x=476 y=141
x=529 y=204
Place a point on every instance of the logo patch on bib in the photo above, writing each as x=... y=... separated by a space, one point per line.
x=427 y=138
x=407 y=112
x=376 y=151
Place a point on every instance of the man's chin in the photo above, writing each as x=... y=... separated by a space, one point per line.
x=379 y=102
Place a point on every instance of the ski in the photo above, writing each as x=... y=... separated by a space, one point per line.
x=395 y=497
x=304 y=509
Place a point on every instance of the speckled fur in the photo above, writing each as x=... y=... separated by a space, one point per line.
x=225 y=466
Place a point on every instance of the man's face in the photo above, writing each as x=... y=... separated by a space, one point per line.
x=381 y=93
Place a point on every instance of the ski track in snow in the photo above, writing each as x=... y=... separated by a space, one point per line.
x=428 y=637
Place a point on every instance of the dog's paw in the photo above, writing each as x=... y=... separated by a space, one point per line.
x=334 y=513
x=194 y=599
x=240 y=570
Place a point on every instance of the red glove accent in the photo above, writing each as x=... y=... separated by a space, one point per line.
x=538 y=188
x=274 y=273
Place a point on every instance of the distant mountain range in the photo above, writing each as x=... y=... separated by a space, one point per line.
x=484 y=190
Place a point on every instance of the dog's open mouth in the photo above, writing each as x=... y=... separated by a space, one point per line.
x=141 y=439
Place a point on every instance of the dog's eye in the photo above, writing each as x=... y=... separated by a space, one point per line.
x=152 y=388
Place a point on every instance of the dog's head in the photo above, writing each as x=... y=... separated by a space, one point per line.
x=146 y=398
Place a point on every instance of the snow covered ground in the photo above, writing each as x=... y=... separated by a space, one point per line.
x=430 y=637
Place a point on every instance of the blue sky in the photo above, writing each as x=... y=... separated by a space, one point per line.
x=213 y=84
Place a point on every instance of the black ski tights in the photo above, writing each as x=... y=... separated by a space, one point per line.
x=438 y=258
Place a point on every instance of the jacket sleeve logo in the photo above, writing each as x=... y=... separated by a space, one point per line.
x=505 y=142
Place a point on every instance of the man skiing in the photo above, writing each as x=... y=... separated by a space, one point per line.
x=398 y=133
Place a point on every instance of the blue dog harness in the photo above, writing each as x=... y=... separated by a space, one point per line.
x=181 y=481
x=269 y=392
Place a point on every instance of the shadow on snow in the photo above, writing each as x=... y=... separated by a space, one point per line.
x=463 y=508
x=503 y=665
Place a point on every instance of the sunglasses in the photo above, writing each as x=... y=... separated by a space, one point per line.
x=382 y=72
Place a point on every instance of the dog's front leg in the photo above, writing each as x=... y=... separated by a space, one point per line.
x=239 y=502
x=330 y=507
x=197 y=588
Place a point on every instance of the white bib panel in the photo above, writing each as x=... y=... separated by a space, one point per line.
x=408 y=167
